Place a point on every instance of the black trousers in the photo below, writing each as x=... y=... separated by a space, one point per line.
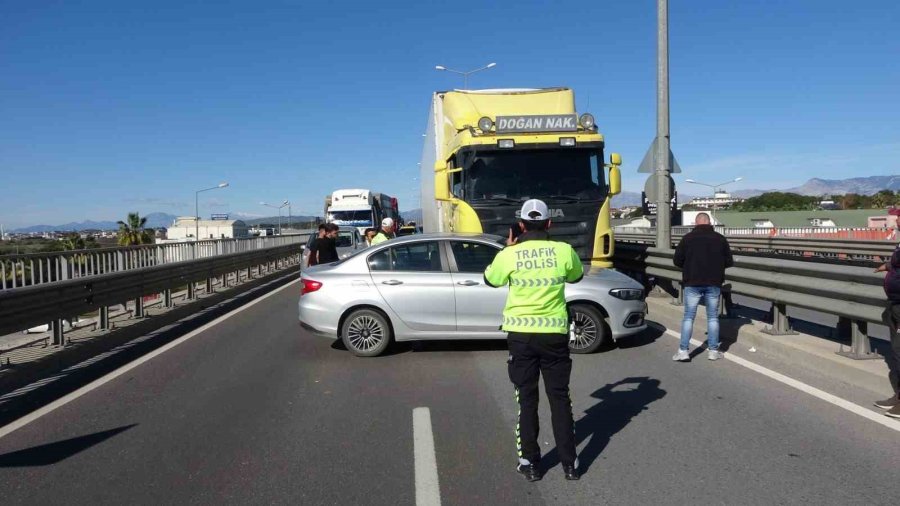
x=530 y=357
x=892 y=357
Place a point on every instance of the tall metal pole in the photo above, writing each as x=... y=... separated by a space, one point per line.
x=197 y=215
x=664 y=166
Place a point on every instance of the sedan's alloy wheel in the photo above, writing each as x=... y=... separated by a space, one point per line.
x=365 y=333
x=582 y=331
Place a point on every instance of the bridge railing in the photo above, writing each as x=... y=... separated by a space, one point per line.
x=839 y=248
x=40 y=268
x=144 y=271
x=852 y=293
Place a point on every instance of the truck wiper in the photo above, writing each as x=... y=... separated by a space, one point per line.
x=499 y=199
x=571 y=198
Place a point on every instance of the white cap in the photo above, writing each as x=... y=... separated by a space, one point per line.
x=535 y=210
x=387 y=222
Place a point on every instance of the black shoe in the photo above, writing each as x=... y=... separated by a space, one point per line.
x=530 y=472
x=572 y=473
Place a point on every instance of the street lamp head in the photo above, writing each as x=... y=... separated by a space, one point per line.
x=737 y=179
x=689 y=181
x=263 y=204
x=491 y=65
x=223 y=185
x=440 y=67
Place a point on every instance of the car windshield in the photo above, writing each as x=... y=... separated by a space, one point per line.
x=549 y=174
x=344 y=239
x=362 y=218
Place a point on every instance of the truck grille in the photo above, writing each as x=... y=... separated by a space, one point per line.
x=577 y=227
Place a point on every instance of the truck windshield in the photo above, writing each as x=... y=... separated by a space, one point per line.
x=362 y=218
x=549 y=174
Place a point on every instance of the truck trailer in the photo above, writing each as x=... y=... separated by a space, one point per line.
x=488 y=151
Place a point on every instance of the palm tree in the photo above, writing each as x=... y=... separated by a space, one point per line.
x=73 y=241
x=132 y=231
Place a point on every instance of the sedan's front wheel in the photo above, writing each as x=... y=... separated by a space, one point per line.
x=366 y=333
x=587 y=329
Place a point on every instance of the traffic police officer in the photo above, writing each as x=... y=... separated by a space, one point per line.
x=386 y=233
x=537 y=322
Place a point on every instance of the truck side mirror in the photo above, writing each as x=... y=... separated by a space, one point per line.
x=615 y=175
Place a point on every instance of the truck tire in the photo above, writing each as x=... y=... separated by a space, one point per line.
x=366 y=333
x=588 y=331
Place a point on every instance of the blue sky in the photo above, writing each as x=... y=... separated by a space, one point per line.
x=110 y=107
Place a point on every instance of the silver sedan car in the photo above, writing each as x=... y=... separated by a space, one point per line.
x=431 y=287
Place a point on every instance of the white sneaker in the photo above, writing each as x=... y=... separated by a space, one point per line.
x=715 y=355
x=682 y=356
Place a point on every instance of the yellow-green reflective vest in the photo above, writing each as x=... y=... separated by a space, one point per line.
x=537 y=271
x=379 y=238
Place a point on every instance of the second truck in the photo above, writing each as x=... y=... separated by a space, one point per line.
x=487 y=151
x=360 y=208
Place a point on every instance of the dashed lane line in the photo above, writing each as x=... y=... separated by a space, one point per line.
x=428 y=492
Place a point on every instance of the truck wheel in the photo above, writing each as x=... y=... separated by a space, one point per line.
x=366 y=333
x=587 y=329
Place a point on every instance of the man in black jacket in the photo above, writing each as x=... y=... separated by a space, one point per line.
x=703 y=255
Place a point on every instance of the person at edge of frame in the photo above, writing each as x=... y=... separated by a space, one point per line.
x=891 y=317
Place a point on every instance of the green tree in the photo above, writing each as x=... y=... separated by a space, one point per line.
x=132 y=231
x=883 y=199
x=72 y=241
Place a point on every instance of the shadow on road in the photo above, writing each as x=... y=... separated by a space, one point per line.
x=617 y=407
x=51 y=453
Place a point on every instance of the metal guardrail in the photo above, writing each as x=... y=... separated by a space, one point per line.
x=39 y=268
x=852 y=293
x=28 y=306
x=832 y=248
x=851 y=233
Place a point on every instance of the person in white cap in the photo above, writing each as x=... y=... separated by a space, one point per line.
x=536 y=320
x=386 y=232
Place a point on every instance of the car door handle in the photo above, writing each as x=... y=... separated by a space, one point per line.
x=468 y=282
x=392 y=282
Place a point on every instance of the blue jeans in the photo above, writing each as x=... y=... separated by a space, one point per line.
x=692 y=296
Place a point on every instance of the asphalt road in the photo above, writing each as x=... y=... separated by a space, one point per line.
x=256 y=411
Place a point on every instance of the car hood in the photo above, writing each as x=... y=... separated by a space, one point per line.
x=609 y=278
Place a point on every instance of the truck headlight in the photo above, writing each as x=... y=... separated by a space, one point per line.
x=587 y=121
x=627 y=293
x=485 y=124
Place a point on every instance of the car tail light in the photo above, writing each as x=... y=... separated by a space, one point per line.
x=309 y=286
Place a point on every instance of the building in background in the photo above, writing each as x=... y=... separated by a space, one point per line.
x=186 y=227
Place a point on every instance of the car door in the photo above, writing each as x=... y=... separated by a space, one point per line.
x=479 y=307
x=414 y=280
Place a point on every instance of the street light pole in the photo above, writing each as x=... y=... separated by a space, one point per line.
x=465 y=74
x=715 y=188
x=197 y=208
x=279 y=212
x=290 y=215
x=664 y=166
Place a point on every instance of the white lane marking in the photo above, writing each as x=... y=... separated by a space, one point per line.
x=62 y=401
x=803 y=387
x=428 y=491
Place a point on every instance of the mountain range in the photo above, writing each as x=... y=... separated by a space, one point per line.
x=815 y=186
x=154 y=220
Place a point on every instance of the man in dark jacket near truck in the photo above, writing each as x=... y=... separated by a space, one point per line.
x=703 y=255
